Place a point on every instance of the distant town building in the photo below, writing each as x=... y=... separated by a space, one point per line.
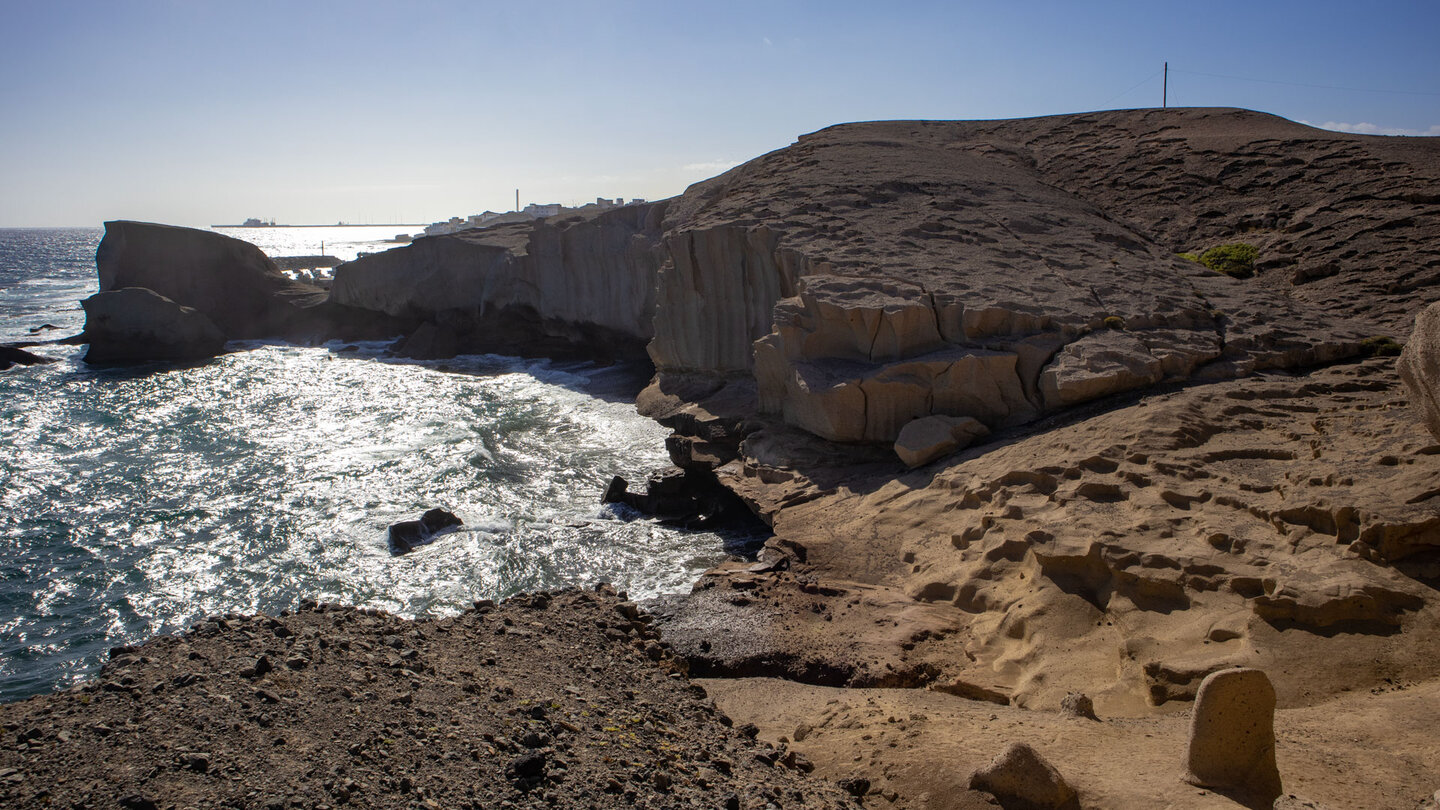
x=531 y=211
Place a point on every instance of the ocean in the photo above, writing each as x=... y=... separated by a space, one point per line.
x=135 y=501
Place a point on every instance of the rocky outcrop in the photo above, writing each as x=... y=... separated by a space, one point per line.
x=136 y=325
x=875 y=274
x=576 y=285
x=228 y=280
x=1420 y=367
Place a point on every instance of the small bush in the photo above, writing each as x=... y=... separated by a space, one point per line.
x=1114 y=322
x=1189 y=257
x=1380 y=346
x=1236 y=259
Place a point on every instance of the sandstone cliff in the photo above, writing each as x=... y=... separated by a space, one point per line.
x=582 y=282
x=1000 y=270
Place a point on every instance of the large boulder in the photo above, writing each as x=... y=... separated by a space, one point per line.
x=136 y=325
x=1420 y=366
x=1232 y=737
x=229 y=280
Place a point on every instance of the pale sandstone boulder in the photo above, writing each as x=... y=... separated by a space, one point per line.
x=1023 y=780
x=1232 y=736
x=1420 y=367
x=926 y=439
x=231 y=281
x=136 y=325
x=1099 y=364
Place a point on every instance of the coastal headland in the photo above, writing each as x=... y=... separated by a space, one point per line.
x=1094 y=404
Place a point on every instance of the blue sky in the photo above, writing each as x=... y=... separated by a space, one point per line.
x=196 y=112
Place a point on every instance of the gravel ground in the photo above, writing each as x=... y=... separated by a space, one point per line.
x=564 y=699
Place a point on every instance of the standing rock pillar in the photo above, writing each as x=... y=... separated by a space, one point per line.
x=1232 y=737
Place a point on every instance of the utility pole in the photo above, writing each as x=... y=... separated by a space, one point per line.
x=1165 y=88
x=517 y=199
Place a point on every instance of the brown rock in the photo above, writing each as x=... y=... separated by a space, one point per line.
x=1022 y=780
x=231 y=281
x=1420 y=367
x=1232 y=737
x=928 y=438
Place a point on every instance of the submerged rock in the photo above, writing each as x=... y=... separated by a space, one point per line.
x=138 y=325
x=15 y=356
x=408 y=534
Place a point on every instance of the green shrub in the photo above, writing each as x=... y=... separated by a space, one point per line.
x=1236 y=259
x=1189 y=257
x=1380 y=346
x=1114 y=322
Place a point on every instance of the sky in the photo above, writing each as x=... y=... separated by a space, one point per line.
x=198 y=113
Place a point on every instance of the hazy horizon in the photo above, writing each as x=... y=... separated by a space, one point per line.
x=198 y=113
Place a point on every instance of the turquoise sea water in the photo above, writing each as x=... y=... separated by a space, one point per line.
x=134 y=501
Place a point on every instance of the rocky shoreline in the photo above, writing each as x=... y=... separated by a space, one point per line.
x=1024 y=444
x=565 y=699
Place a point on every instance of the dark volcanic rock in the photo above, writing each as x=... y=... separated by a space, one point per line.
x=15 y=356
x=172 y=723
x=691 y=498
x=137 y=325
x=408 y=534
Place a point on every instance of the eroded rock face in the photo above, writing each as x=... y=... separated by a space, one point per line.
x=1274 y=522
x=1420 y=367
x=136 y=325
x=230 y=281
x=586 y=281
x=867 y=259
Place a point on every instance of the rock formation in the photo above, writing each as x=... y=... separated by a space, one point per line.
x=1119 y=470
x=1022 y=780
x=136 y=325
x=1420 y=367
x=16 y=356
x=228 y=280
x=406 y=535
x=582 y=285
x=1232 y=737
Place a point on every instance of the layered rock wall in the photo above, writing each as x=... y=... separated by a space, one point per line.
x=596 y=272
x=716 y=296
